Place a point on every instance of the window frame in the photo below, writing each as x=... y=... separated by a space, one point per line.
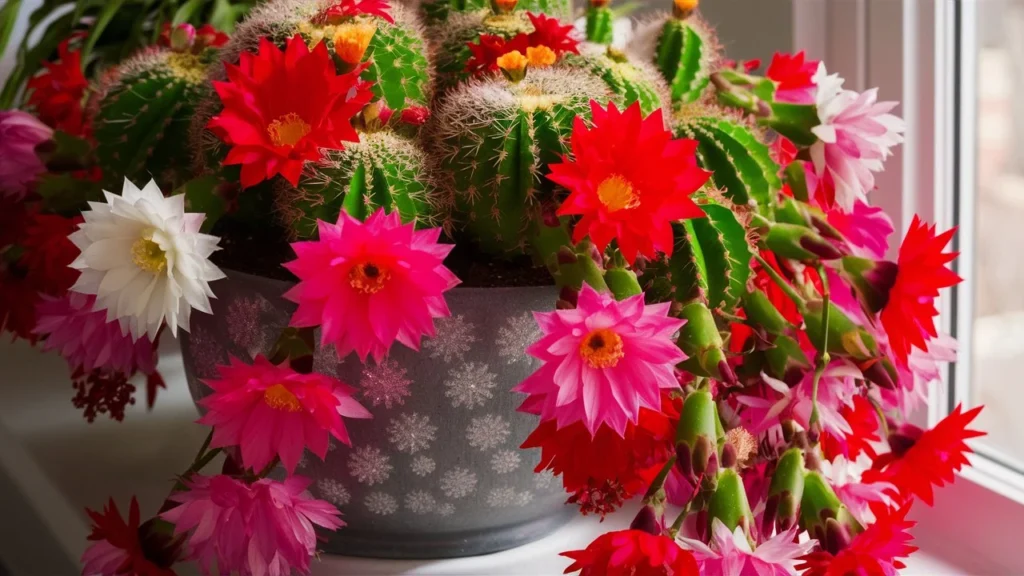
x=917 y=52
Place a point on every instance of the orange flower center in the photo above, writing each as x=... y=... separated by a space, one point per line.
x=288 y=130
x=279 y=397
x=602 y=348
x=368 y=277
x=540 y=56
x=616 y=193
x=686 y=5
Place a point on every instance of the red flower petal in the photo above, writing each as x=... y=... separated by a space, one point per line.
x=632 y=553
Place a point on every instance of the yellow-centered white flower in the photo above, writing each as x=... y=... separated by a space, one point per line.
x=145 y=260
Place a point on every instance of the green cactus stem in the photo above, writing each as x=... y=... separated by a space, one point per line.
x=685 y=52
x=631 y=80
x=142 y=113
x=729 y=503
x=382 y=170
x=600 y=24
x=493 y=142
x=438 y=12
x=740 y=162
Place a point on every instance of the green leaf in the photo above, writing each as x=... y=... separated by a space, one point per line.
x=186 y=11
x=794 y=121
x=65 y=194
x=110 y=9
x=225 y=14
x=8 y=17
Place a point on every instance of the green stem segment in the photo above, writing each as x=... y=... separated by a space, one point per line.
x=600 y=24
x=823 y=357
x=781 y=283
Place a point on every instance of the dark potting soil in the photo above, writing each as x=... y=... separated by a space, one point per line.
x=260 y=250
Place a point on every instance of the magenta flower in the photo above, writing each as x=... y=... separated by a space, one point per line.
x=602 y=361
x=367 y=284
x=730 y=552
x=855 y=135
x=271 y=410
x=779 y=402
x=20 y=133
x=86 y=340
x=266 y=528
x=859 y=497
x=919 y=373
x=866 y=229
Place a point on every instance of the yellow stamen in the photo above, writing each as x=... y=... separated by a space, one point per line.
x=540 y=56
x=288 y=130
x=187 y=66
x=616 y=193
x=602 y=348
x=352 y=40
x=148 y=256
x=279 y=397
x=513 y=65
x=744 y=443
x=368 y=277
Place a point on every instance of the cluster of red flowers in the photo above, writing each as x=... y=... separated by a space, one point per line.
x=58 y=94
x=547 y=32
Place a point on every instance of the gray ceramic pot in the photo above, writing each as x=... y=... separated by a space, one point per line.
x=438 y=471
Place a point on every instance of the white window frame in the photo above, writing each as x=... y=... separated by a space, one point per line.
x=907 y=48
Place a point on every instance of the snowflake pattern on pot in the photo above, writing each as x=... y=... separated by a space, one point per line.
x=206 y=352
x=368 y=465
x=420 y=502
x=423 y=465
x=487 y=432
x=333 y=491
x=445 y=509
x=381 y=503
x=454 y=338
x=513 y=338
x=470 y=385
x=544 y=480
x=458 y=483
x=325 y=360
x=245 y=325
x=411 y=433
x=505 y=461
x=507 y=496
x=385 y=383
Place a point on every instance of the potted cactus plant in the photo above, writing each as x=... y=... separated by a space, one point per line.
x=427 y=240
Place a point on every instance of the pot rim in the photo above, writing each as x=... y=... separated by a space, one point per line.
x=238 y=274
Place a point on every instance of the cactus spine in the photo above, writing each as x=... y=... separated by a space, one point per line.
x=684 y=57
x=382 y=170
x=142 y=115
x=741 y=164
x=494 y=141
x=451 y=52
x=439 y=11
x=631 y=81
x=600 y=24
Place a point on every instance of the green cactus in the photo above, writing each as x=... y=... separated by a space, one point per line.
x=142 y=113
x=439 y=11
x=451 y=38
x=382 y=170
x=740 y=162
x=631 y=81
x=600 y=24
x=493 y=141
x=685 y=52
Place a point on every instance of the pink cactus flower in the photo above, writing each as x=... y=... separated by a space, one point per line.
x=269 y=410
x=86 y=340
x=20 y=133
x=866 y=228
x=266 y=528
x=368 y=284
x=603 y=361
x=855 y=136
x=730 y=552
x=779 y=401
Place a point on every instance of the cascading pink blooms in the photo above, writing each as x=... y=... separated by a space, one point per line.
x=368 y=284
x=86 y=340
x=866 y=229
x=603 y=361
x=263 y=528
x=271 y=410
x=729 y=552
x=855 y=135
x=836 y=389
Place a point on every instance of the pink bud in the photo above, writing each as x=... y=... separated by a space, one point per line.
x=385 y=113
x=415 y=116
x=183 y=37
x=20 y=133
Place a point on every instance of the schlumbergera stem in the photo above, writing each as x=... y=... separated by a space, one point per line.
x=823 y=357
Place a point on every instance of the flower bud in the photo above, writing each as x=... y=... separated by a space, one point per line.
x=871 y=280
x=503 y=6
x=819 y=504
x=729 y=502
x=352 y=40
x=183 y=37
x=698 y=420
x=415 y=115
x=729 y=458
x=646 y=520
x=701 y=341
x=540 y=56
x=799 y=243
x=879 y=371
x=513 y=65
x=681 y=9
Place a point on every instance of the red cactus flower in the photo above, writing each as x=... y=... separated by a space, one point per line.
x=18 y=300
x=909 y=315
x=119 y=548
x=415 y=115
x=863 y=422
x=921 y=459
x=282 y=107
x=629 y=180
x=57 y=94
x=550 y=32
x=48 y=253
x=793 y=75
x=632 y=553
x=874 y=552
x=346 y=9
x=208 y=36
x=487 y=50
